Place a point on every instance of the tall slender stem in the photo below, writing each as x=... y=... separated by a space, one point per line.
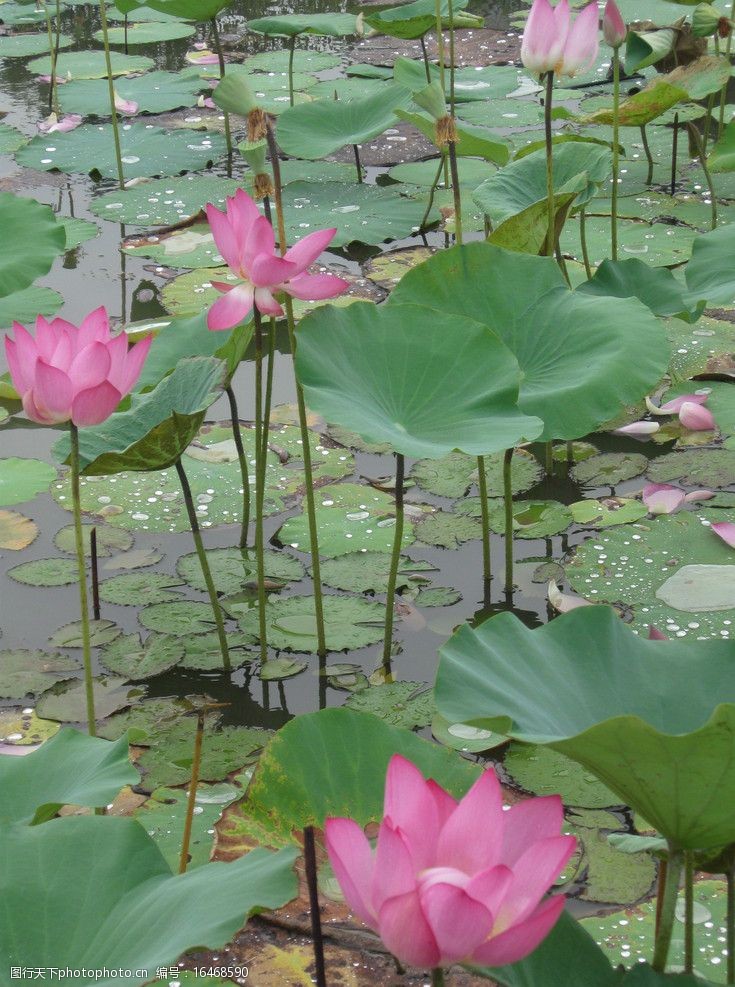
x=649 y=156
x=437 y=977
x=291 y=48
x=111 y=91
x=616 y=152
x=485 y=515
x=550 y=221
x=53 y=102
x=707 y=120
x=456 y=194
x=432 y=191
x=450 y=12
x=243 y=460
x=583 y=241
x=549 y=457
x=668 y=910
x=730 y=925
x=508 y=503
x=95 y=573
x=424 y=52
x=316 y=921
x=126 y=33
x=440 y=41
x=82 y=570
x=271 y=347
x=221 y=60
x=196 y=764
x=206 y=571
x=260 y=446
x=695 y=135
x=723 y=94
x=394 y=562
x=688 y=911
x=675 y=153
x=358 y=163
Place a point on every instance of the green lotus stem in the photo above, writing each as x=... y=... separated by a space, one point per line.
x=456 y=193
x=53 y=96
x=432 y=191
x=616 y=153
x=570 y=453
x=549 y=457
x=301 y=405
x=437 y=977
x=668 y=909
x=196 y=764
x=485 y=515
x=697 y=139
x=125 y=23
x=221 y=59
x=206 y=571
x=358 y=164
x=269 y=387
x=394 y=561
x=649 y=156
x=260 y=446
x=551 y=224
x=244 y=473
x=583 y=240
x=730 y=923
x=111 y=91
x=450 y=12
x=95 y=574
x=723 y=93
x=508 y=503
x=310 y=870
x=291 y=48
x=674 y=153
x=660 y=888
x=707 y=120
x=440 y=42
x=427 y=68
x=688 y=911
x=82 y=571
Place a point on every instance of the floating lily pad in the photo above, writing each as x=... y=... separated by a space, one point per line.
x=139 y=558
x=134 y=659
x=547 y=772
x=11 y=139
x=147 y=33
x=203 y=654
x=25 y=45
x=656 y=243
x=233 y=569
x=78 y=231
x=179 y=618
x=152 y=718
x=695 y=467
x=16 y=531
x=304 y=60
x=402 y=704
x=146 y=151
x=67 y=701
x=387 y=269
x=609 y=468
x=70 y=635
x=463 y=737
x=455 y=474
x=139 y=588
x=24 y=673
x=531 y=518
x=437 y=596
x=276 y=669
x=192 y=248
x=109 y=540
x=21 y=727
x=90 y=65
x=607 y=512
x=348 y=623
x=445 y=529
x=350 y=518
x=163 y=201
x=367 y=572
x=154 y=92
x=46 y=572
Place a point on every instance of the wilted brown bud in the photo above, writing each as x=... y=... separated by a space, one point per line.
x=262 y=186
x=257 y=124
x=724 y=27
x=446 y=131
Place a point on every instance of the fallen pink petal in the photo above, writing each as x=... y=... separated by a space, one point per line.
x=661 y=498
x=673 y=407
x=726 y=531
x=53 y=125
x=638 y=430
x=695 y=417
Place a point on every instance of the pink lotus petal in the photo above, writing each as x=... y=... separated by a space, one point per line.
x=315 y=287
x=352 y=862
x=127 y=106
x=224 y=238
x=306 y=251
x=90 y=366
x=726 y=531
x=654 y=634
x=52 y=125
x=232 y=308
x=266 y=303
x=204 y=57
x=613 y=26
x=270 y=269
x=673 y=406
x=564 y=602
x=637 y=430
x=696 y=417
x=259 y=238
x=582 y=44
x=528 y=822
x=458 y=922
x=406 y=933
x=469 y=840
x=134 y=360
x=662 y=498
x=544 y=36
x=533 y=873
x=95 y=405
x=411 y=806
x=520 y=940
x=52 y=391
x=697 y=495
x=206 y=103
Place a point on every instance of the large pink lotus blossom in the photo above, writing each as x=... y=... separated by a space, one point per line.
x=450 y=881
x=66 y=373
x=552 y=43
x=246 y=240
x=614 y=30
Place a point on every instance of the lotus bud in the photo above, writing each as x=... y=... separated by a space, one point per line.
x=544 y=36
x=705 y=20
x=582 y=43
x=257 y=124
x=695 y=417
x=613 y=25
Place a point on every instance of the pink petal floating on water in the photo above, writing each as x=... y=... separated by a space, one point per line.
x=654 y=634
x=662 y=498
x=564 y=602
x=695 y=417
x=638 y=430
x=672 y=407
x=127 y=106
x=696 y=495
x=52 y=124
x=726 y=531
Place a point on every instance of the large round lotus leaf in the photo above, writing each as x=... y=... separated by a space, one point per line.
x=116 y=902
x=277 y=669
x=21 y=13
x=163 y=201
x=154 y=92
x=607 y=512
x=695 y=467
x=90 y=64
x=202 y=651
x=455 y=474
x=23 y=479
x=501 y=113
x=656 y=243
x=190 y=10
x=609 y=468
x=22 y=728
x=303 y=61
x=410 y=20
x=70 y=635
x=289 y=25
x=179 y=618
x=31 y=241
x=359 y=367
x=402 y=704
x=192 y=248
x=23 y=306
x=109 y=540
x=150 y=719
x=148 y=33
x=132 y=589
x=146 y=151
x=596 y=357
x=23 y=45
x=471 y=171
x=67 y=701
x=367 y=572
x=613 y=932
x=340 y=90
x=657 y=734
x=348 y=623
x=316 y=130
x=544 y=771
x=11 y=139
x=234 y=569
x=78 y=231
x=45 y=572
x=446 y=529
x=140 y=14
x=531 y=518
x=130 y=657
x=672 y=572
x=24 y=673
x=16 y=531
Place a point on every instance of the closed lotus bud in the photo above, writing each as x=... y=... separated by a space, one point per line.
x=257 y=125
x=262 y=186
x=613 y=25
x=446 y=131
x=706 y=21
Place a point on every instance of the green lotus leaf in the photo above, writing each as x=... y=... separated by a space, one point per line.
x=10 y=138
x=163 y=201
x=23 y=672
x=16 y=531
x=656 y=287
x=654 y=735
x=130 y=657
x=316 y=130
x=32 y=239
x=89 y=65
x=367 y=572
x=46 y=572
x=289 y=25
x=155 y=92
x=643 y=107
x=22 y=728
x=115 y=903
x=133 y=589
x=455 y=474
x=644 y=48
x=700 y=78
x=348 y=623
x=359 y=367
x=602 y=356
x=67 y=701
x=402 y=704
x=158 y=426
x=472 y=142
x=233 y=569
x=708 y=276
x=23 y=306
x=193 y=10
x=411 y=20
x=146 y=33
x=23 y=479
x=23 y=45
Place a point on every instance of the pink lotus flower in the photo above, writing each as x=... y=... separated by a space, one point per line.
x=247 y=242
x=52 y=124
x=613 y=26
x=726 y=531
x=453 y=882
x=638 y=430
x=551 y=44
x=696 y=417
x=674 y=406
x=66 y=373
x=126 y=106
